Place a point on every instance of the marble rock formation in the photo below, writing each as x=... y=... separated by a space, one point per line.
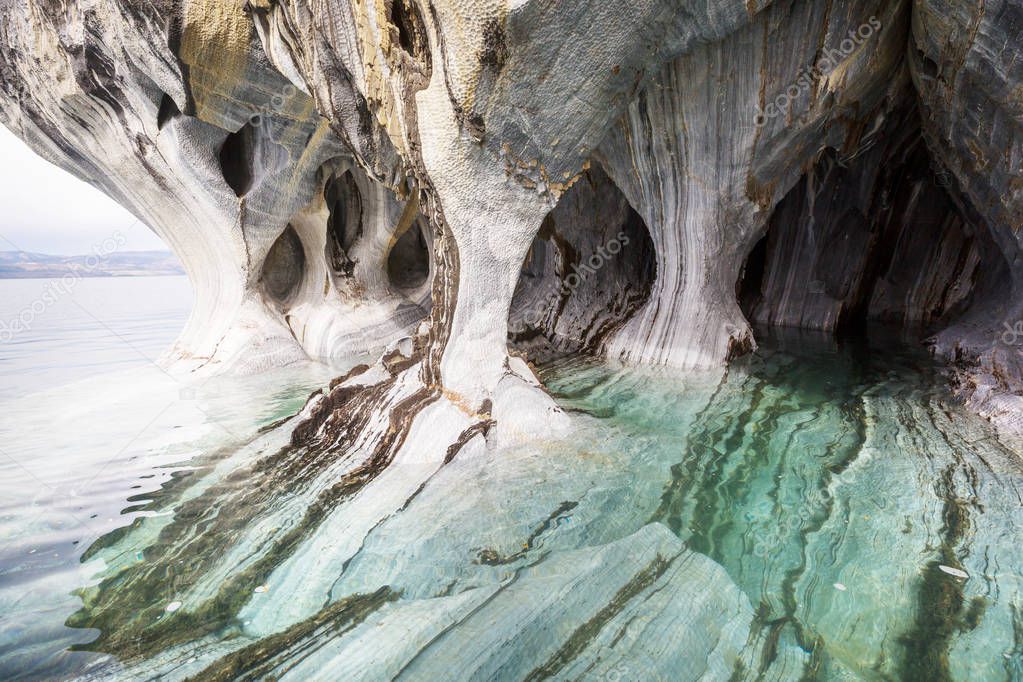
x=640 y=180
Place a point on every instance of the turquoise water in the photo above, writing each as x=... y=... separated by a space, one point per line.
x=817 y=512
x=848 y=498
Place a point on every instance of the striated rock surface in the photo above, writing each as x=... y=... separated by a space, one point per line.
x=330 y=173
x=964 y=57
x=177 y=113
x=704 y=158
x=871 y=237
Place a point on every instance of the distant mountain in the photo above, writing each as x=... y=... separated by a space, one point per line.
x=25 y=265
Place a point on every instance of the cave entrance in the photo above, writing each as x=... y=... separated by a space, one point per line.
x=344 y=222
x=248 y=154
x=284 y=267
x=167 y=112
x=589 y=270
x=872 y=240
x=373 y=246
x=408 y=262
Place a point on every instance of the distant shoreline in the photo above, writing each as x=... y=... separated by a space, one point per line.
x=26 y=265
x=113 y=275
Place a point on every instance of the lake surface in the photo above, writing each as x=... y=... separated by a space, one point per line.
x=52 y=332
x=88 y=421
x=817 y=512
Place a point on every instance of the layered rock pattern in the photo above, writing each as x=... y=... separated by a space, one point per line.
x=240 y=132
x=870 y=238
x=964 y=58
x=705 y=165
x=198 y=135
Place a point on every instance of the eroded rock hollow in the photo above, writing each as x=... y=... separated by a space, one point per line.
x=441 y=182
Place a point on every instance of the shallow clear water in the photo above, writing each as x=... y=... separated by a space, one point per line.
x=89 y=427
x=818 y=512
x=848 y=498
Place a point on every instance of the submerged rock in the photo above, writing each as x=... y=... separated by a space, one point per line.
x=796 y=517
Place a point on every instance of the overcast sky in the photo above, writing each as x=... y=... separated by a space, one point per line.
x=46 y=210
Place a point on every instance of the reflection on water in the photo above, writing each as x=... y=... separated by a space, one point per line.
x=53 y=332
x=815 y=513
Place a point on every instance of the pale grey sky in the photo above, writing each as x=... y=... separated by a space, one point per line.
x=46 y=210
